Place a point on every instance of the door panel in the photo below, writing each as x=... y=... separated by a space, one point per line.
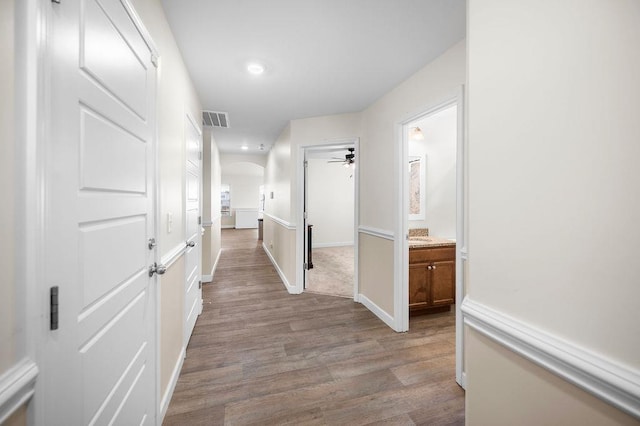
x=114 y=242
x=107 y=55
x=99 y=365
x=193 y=293
x=443 y=288
x=111 y=156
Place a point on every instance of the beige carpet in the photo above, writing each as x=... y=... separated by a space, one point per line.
x=333 y=271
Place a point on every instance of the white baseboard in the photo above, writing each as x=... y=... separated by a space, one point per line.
x=338 y=244
x=291 y=289
x=227 y=226
x=377 y=310
x=166 y=398
x=209 y=278
x=17 y=386
x=607 y=379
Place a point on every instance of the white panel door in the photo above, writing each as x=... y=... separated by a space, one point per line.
x=99 y=365
x=193 y=256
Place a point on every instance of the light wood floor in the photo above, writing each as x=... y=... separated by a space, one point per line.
x=261 y=356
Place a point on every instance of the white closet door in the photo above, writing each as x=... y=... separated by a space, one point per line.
x=193 y=255
x=99 y=365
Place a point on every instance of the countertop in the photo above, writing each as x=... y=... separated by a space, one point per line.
x=424 y=242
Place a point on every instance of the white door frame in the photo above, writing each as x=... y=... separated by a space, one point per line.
x=31 y=106
x=192 y=122
x=401 y=270
x=302 y=154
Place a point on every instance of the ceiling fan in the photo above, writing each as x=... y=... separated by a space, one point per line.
x=348 y=159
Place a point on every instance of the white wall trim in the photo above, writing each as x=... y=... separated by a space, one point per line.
x=607 y=379
x=166 y=398
x=336 y=244
x=290 y=226
x=169 y=258
x=146 y=36
x=290 y=288
x=227 y=227
x=209 y=278
x=17 y=386
x=207 y=224
x=376 y=232
x=377 y=310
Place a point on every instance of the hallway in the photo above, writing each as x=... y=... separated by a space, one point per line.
x=261 y=356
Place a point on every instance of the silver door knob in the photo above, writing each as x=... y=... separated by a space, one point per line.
x=191 y=243
x=157 y=269
x=152 y=243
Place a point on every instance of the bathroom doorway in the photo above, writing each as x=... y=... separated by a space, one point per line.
x=431 y=220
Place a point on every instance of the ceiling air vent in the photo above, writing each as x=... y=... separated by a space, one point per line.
x=215 y=119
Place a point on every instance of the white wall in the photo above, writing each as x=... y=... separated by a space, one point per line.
x=8 y=301
x=437 y=82
x=331 y=201
x=277 y=177
x=210 y=203
x=321 y=130
x=439 y=148
x=244 y=175
x=281 y=179
x=244 y=190
x=176 y=98
x=554 y=101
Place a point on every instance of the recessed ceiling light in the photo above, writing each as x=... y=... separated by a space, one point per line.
x=255 y=68
x=244 y=147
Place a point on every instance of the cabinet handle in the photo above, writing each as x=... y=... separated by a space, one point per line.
x=429 y=267
x=434 y=266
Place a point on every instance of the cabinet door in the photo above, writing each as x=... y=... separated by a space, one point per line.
x=418 y=286
x=443 y=289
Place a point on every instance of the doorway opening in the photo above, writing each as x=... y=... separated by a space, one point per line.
x=431 y=220
x=328 y=206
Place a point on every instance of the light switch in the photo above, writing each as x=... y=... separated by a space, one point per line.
x=169 y=222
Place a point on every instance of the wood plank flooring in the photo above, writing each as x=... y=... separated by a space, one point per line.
x=261 y=356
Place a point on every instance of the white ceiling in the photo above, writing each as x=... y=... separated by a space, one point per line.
x=321 y=56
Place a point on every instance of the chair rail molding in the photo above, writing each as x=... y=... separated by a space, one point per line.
x=376 y=232
x=17 y=386
x=172 y=255
x=617 y=384
x=290 y=226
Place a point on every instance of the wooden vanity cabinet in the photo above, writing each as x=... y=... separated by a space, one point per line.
x=432 y=279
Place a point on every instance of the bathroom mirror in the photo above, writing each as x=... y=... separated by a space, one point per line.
x=417 y=185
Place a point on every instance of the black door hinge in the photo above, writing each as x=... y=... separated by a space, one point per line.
x=53 y=304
